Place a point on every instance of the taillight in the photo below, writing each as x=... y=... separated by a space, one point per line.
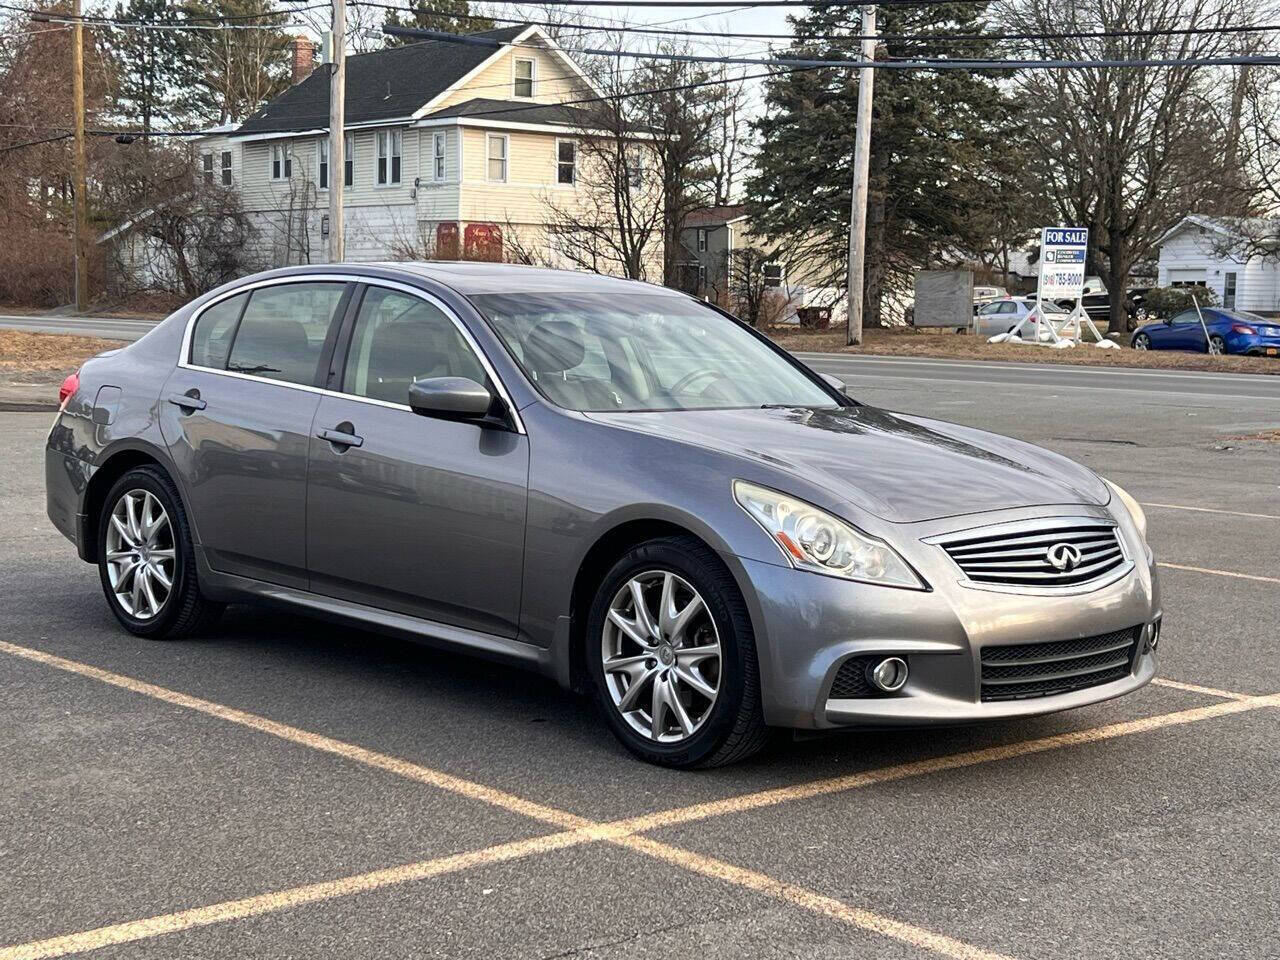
x=69 y=386
x=1242 y=328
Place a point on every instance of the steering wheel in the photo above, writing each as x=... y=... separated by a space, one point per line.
x=711 y=376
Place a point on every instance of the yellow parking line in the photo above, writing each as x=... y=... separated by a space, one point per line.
x=811 y=901
x=315 y=741
x=1219 y=573
x=854 y=781
x=577 y=830
x=1196 y=688
x=1230 y=513
x=134 y=930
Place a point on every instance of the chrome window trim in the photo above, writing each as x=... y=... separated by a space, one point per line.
x=1034 y=526
x=345 y=278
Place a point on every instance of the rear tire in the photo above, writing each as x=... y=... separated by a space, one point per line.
x=707 y=704
x=1217 y=346
x=146 y=559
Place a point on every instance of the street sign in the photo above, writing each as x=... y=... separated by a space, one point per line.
x=1062 y=262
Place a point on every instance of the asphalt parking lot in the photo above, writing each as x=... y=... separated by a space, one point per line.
x=290 y=788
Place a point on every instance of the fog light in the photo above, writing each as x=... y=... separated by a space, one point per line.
x=1153 y=635
x=889 y=675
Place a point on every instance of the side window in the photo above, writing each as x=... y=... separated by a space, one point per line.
x=1186 y=316
x=211 y=339
x=399 y=338
x=1008 y=306
x=283 y=330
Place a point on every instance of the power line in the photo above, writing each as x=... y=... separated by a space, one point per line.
x=905 y=64
x=653 y=30
x=91 y=19
x=35 y=143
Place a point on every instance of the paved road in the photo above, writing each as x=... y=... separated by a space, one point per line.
x=369 y=797
x=867 y=369
x=110 y=328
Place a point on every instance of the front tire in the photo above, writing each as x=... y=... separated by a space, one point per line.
x=672 y=657
x=1142 y=342
x=146 y=559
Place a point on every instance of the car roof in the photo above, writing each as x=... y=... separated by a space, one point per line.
x=469 y=278
x=477 y=278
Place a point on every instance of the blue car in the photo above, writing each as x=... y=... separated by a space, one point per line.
x=1230 y=331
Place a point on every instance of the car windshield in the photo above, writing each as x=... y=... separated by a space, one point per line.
x=642 y=352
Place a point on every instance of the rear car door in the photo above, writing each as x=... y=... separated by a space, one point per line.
x=414 y=514
x=237 y=421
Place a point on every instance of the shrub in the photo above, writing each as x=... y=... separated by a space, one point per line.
x=1164 y=302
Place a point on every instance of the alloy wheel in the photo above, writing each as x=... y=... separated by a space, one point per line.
x=140 y=554
x=662 y=657
x=1141 y=343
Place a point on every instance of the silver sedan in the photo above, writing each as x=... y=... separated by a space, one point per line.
x=1001 y=316
x=607 y=482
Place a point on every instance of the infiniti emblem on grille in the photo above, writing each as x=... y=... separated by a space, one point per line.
x=1063 y=556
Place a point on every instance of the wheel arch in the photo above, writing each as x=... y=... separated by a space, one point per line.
x=115 y=463
x=604 y=552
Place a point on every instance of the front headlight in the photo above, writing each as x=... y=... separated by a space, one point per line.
x=814 y=540
x=1130 y=504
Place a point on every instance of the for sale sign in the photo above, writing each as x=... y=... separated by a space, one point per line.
x=1062 y=262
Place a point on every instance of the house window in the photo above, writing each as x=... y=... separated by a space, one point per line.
x=206 y=167
x=702 y=240
x=497 y=154
x=348 y=160
x=524 y=76
x=322 y=163
x=281 y=161
x=438 y=148
x=388 y=157
x=566 y=162
x=702 y=276
x=635 y=167
x=772 y=273
x=226 y=168
x=1229 y=291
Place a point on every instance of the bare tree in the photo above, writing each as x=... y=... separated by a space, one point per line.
x=1129 y=152
x=730 y=137
x=612 y=222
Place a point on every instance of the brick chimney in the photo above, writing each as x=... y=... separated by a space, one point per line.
x=304 y=58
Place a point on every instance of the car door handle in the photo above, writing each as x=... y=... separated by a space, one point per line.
x=186 y=401
x=341 y=438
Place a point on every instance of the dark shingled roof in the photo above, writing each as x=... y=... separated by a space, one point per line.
x=507 y=111
x=381 y=85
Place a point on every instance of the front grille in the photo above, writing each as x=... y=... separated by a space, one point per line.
x=1060 y=666
x=1019 y=554
x=851 y=680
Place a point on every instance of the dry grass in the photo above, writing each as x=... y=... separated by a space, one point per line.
x=907 y=342
x=48 y=352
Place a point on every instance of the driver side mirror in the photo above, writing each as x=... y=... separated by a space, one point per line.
x=835 y=383
x=450 y=398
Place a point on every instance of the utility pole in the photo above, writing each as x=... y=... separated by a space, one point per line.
x=861 y=172
x=337 y=134
x=79 y=204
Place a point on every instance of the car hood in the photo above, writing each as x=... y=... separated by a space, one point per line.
x=900 y=468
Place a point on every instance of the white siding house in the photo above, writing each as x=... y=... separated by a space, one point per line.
x=1198 y=252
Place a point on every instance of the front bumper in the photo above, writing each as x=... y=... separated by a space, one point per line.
x=807 y=625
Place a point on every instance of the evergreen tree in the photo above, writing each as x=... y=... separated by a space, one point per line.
x=451 y=16
x=153 y=68
x=239 y=69
x=934 y=136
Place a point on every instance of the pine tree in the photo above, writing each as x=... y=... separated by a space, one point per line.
x=934 y=135
x=152 y=67
x=450 y=16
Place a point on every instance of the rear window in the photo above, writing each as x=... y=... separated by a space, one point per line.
x=211 y=339
x=282 y=332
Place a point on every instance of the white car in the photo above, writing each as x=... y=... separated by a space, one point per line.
x=1001 y=316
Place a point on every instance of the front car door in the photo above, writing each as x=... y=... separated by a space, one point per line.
x=414 y=514
x=237 y=422
x=1183 y=332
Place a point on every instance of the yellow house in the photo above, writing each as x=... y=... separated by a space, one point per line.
x=452 y=151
